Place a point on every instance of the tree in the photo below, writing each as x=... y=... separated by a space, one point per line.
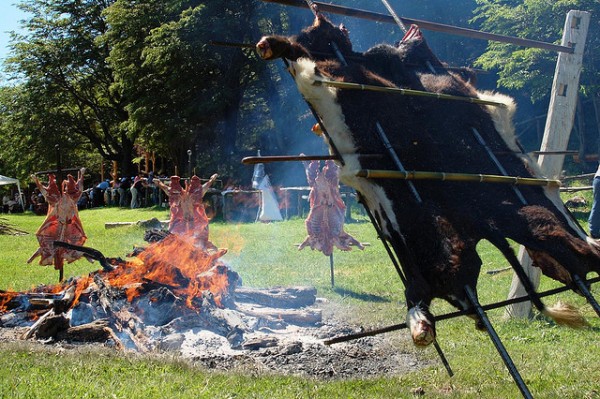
x=531 y=70
x=31 y=130
x=64 y=78
x=183 y=92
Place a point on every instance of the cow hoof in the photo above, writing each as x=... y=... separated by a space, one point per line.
x=422 y=330
x=423 y=334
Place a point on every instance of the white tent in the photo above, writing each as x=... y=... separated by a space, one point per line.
x=269 y=207
x=9 y=180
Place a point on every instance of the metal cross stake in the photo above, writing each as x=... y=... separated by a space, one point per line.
x=497 y=343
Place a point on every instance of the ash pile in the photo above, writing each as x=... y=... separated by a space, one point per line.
x=177 y=298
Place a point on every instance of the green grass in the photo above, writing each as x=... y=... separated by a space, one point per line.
x=555 y=362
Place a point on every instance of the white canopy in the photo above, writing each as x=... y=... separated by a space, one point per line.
x=9 y=180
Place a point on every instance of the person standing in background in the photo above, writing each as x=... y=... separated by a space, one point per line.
x=594 y=219
x=136 y=190
x=124 y=191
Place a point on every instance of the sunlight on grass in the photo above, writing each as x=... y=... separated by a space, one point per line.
x=554 y=361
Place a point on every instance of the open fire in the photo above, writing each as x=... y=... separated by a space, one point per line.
x=174 y=296
x=168 y=279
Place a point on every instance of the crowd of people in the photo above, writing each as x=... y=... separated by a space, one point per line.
x=11 y=203
x=127 y=192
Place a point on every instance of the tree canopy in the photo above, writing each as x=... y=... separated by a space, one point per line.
x=110 y=80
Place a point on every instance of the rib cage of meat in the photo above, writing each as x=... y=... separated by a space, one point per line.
x=325 y=221
x=62 y=222
x=188 y=216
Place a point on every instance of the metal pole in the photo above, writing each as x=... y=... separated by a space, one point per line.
x=397 y=19
x=58 y=261
x=331 y=270
x=512 y=369
x=497 y=163
x=432 y=26
x=388 y=146
x=452 y=315
x=586 y=293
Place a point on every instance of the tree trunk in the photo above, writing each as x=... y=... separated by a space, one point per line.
x=127 y=167
x=581 y=128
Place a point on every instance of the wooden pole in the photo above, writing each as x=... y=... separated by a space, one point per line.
x=285 y=158
x=404 y=92
x=559 y=123
x=458 y=177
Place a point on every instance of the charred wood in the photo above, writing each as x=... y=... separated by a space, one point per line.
x=66 y=301
x=258 y=343
x=90 y=253
x=155 y=235
x=96 y=331
x=278 y=297
x=298 y=317
x=48 y=326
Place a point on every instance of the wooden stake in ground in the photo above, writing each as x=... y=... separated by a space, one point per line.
x=561 y=114
x=331 y=269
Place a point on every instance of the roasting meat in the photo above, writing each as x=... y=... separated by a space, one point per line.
x=174 y=192
x=325 y=222
x=62 y=221
x=188 y=216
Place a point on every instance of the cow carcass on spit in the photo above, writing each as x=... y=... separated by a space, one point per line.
x=62 y=221
x=325 y=221
x=433 y=226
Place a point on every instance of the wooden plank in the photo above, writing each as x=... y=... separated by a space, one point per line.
x=559 y=123
x=112 y=225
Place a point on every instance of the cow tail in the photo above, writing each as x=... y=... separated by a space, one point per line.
x=562 y=313
x=566 y=314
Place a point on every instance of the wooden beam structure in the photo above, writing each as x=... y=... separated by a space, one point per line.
x=432 y=26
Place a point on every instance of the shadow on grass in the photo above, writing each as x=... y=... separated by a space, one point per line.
x=359 y=295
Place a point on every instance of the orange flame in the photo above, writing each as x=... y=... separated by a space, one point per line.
x=177 y=263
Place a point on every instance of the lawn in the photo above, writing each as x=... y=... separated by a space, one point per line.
x=554 y=361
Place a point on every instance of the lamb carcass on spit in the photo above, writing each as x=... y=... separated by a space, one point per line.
x=62 y=221
x=188 y=216
x=325 y=221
